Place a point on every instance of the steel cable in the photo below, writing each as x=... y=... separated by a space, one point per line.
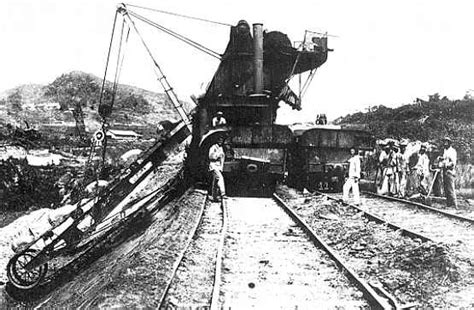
x=177 y=35
x=180 y=15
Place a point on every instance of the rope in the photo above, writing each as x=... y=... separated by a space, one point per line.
x=177 y=35
x=108 y=58
x=180 y=15
x=161 y=77
x=118 y=71
x=120 y=58
x=323 y=34
x=92 y=149
x=114 y=88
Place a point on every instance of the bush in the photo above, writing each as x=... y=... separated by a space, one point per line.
x=425 y=121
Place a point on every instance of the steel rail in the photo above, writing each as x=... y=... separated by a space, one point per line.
x=372 y=217
x=423 y=206
x=219 y=260
x=372 y=297
x=181 y=256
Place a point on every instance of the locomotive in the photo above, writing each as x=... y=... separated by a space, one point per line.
x=247 y=87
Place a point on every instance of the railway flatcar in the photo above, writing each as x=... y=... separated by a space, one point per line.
x=246 y=90
x=319 y=160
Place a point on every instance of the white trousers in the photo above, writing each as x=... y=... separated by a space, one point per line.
x=403 y=184
x=217 y=179
x=351 y=183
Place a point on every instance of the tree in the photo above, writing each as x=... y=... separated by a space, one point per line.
x=14 y=101
x=434 y=98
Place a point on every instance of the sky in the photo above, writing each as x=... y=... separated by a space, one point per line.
x=385 y=52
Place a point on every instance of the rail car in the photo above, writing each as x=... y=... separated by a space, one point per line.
x=247 y=88
x=319 y=160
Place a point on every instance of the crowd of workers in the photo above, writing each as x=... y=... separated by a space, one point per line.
x=404 y=175
x=407 y=175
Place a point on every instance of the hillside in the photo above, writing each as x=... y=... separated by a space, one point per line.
x=43 y=106
x=425 y=121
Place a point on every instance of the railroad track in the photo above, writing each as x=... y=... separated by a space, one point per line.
x=453 y=230
x=258 y=252
x=415 y=270
x=423 y=207
x=271 y=258
x=418 y=220
x=378 y=219
x=192 y=283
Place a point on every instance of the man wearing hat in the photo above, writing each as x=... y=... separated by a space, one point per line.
x=396 y=156
x=383 y=158
x=352 y=181
x=216 y=166
x=219 y=120
x=422 y=168
x=389 y=165
x=403 y=169
x=448 y=166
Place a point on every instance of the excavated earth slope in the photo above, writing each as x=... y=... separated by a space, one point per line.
x=116 y=274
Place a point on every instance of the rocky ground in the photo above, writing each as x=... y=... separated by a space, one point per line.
x=457 y=234
x=6 y=217
x=194 y=280
x=464 y=208
x=270 y=263
x=414 y=272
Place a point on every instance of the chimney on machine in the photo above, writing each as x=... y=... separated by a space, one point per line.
x=258 y=56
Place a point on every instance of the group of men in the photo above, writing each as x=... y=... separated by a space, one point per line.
x=403 y=174
x=394 y=167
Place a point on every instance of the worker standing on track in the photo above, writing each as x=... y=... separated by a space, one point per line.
x=216 y=166
x=383 y=158
x=448 y=165
x=403 y=169
x=396 y=176
x=353 y=179
x=422 y=169
x=388 y=162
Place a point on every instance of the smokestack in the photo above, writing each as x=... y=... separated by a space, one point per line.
x=258 y=57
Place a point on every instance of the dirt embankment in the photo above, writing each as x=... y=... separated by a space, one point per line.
x=89 y=275
x=134 y=273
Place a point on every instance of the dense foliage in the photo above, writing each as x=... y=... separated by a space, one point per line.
x=23 y=186
x=425 y=121
x=77 y=87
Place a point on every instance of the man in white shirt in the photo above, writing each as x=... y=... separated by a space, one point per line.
x=448 y=165
x=422 y=168
x=216 y=166
x=353 y=179
x=219 y=120
x=402 y=167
